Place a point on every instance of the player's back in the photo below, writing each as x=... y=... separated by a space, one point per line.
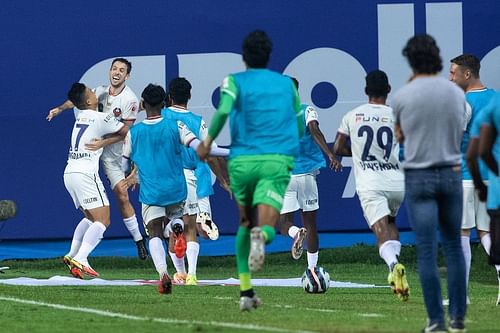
x=193 y=122
x=375 y=150
x=156 y=150
x=263 y=120
x=88 y=126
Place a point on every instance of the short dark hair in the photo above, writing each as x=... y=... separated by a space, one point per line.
x=179 y=90
x=257 y=48
x=153 y=94
x=377 y=84
x=423 y=56
x=77 y=95
x=125 y=61
x=470 y=62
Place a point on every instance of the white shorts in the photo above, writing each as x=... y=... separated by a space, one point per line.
x=377 y=204
x=301 y=193
x=86 y=190
x=113 y=171
x=191 y=205
x=474 y=212
x=171 y=212
x=204 y=205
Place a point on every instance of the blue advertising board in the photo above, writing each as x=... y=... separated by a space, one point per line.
x=329 y=46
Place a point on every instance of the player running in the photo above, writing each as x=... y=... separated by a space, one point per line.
x=379 y=176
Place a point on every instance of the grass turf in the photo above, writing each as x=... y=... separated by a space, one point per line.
x=215 y=308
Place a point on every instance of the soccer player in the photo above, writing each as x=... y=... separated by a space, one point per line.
x=464 y=71
x=302 y=191
x=117 y=99
x=378 y=172
x=430 y=114
x=81 y=176
x=197 y=174
x=155 y=148
x=264 y=108
x=489 y=149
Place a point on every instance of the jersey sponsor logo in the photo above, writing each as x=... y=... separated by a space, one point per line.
x=89 y=200
x=362 y=118
x=85 y=120
x=109 y=117
x=117 y=112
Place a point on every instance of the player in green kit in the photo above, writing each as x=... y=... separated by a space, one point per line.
x=265 y=123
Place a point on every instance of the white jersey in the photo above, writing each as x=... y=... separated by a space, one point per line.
x=123 y=106
x=89 y=125
x=375 y=150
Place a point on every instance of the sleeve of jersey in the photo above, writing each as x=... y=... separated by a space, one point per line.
x=344 y=125
x=131 y=109
x=229 y=94
x=298 y=111
x=111 y=124
x=185 y=135
x=311 y=115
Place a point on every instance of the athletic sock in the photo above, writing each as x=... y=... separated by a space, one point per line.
x=389 y=251
x=292 y=231
x=268 y=232
x=465 y=240
x=242 y=253
x=179 y=265
x=133 y=227
x=312 y=259
x=192 y=251
x=80 y=230
x=486 y=242
x=90 y=240
x=157 y=252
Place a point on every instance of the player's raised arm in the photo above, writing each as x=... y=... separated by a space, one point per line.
x=58 y=109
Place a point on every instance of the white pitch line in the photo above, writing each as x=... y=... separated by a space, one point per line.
x=158 y=320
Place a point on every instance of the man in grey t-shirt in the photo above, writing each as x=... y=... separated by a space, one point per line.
x=430 y=114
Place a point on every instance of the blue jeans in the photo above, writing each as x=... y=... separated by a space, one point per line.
x=434 y=199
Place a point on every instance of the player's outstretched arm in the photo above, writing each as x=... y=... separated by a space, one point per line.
x=57 y=110
x=97 y=143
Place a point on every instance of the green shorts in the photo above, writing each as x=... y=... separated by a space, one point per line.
x=260 y=179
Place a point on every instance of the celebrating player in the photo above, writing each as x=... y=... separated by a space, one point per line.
x=117 y=99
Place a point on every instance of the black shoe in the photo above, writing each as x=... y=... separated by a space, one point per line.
x=435 y=327
x=457 y=326
x=8 y=209
x=142 y=251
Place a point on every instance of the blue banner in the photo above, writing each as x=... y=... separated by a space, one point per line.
x=329 y=46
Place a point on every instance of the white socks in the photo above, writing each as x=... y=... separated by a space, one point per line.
x=293 y=230
x=486 y=242
x=92 y=237
x=178 y=263
x=192 y=251
x=133 y=227
x=389 y=251
x=80 y=230
x=312 y=259
x=158 y=255
x=465 y=240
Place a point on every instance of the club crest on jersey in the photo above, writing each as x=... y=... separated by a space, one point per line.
x=117 y=112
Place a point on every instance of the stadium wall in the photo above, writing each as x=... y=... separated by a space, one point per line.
x=328 y=45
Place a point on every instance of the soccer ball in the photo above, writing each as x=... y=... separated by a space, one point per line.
x=315 y=280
